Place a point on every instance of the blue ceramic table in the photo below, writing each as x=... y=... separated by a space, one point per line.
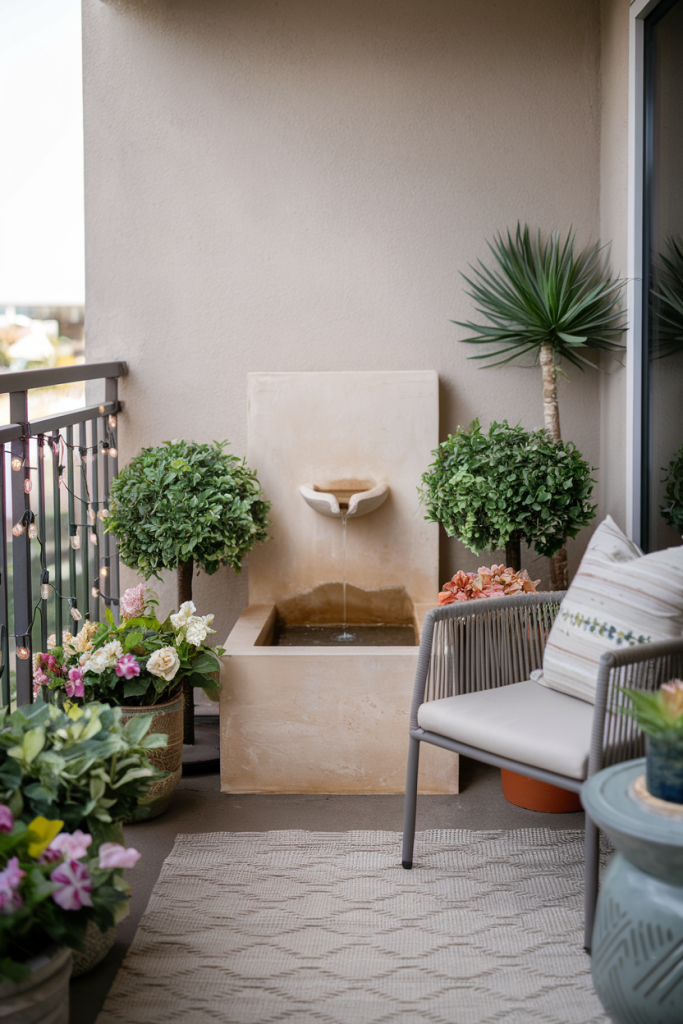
x=637 y=951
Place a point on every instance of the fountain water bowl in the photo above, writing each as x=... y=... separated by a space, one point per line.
x=354 y=497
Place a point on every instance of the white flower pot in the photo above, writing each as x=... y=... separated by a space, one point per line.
x=44 y=997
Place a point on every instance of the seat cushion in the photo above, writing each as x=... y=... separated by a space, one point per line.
x=618 y=598
x=525 y=722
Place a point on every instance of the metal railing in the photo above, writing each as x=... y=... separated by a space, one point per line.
x=60 y=567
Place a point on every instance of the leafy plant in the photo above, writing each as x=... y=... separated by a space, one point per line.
x=87 y=767
x=185 y=502
x=667 y=302
x=659 y=714
x=672 y=511
x=546 y=301
x=488 y=488
x=137 y=663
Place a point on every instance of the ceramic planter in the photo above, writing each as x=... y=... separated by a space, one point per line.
x=168 y=719
x=664 y=770
x=44 y=997
x=535 y=795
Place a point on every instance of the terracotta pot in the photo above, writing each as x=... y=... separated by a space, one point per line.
x=168 y=719
x=44 y=997
x=538 y=796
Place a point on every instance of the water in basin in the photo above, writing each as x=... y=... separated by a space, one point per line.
x=348 y=635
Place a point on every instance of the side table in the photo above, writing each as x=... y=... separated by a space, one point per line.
x=637 y=951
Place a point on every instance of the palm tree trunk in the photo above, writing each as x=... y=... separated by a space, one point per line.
x=559 y=576
x=185 y=570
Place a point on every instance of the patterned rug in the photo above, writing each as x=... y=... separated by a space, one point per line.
x=258 y=928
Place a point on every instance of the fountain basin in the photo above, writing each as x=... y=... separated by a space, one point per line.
x=323 y=719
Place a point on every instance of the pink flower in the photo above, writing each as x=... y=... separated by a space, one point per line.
x=74 y=885
x=73 y=845
x=10 y=902
x=10 y=878
x=51 y=662
x=6 y=818
x=127 y=666
x=74 y=688
x=113 y=855
x=133 y=601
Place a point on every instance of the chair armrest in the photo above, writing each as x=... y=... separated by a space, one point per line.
x=616 y=737
x=480 y=645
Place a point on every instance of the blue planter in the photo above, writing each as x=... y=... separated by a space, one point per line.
x=665 y=769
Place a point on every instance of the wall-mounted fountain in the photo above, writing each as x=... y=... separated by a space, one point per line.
x=319 y=670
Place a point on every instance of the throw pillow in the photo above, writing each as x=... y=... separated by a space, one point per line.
x=618 y=597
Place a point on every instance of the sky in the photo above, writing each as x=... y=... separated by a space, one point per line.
x=41 y=169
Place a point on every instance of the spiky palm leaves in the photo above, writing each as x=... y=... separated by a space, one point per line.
x=543 y=299
x=667 y=303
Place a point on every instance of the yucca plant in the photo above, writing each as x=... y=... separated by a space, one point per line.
x=667 y=302
x=542 y=299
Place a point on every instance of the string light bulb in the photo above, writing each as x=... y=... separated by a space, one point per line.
x=75 y=539
x=91 y=514
x=18 y=529
x=103 y=513
x=75 y=614
x=33 y=531
x=104 y=571
x=93 y=538
x=95 y=592
x=113 y=452
x=112 y=422
x=28 y=485
x=101 y=410
x=17 y=463
x=45 y=591
x=23 y=653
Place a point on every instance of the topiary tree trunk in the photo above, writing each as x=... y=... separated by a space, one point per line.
x=185 y=571
x=559 y=569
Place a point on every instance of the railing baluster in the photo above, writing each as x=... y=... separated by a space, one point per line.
x=21 y=549
x=44 y=603
x=82 y=513
x=73 y=528
x=57 y=509
x=95 y=495
x=111 y=393
x=4 y=603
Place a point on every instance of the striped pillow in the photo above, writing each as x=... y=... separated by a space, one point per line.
x=618 y=597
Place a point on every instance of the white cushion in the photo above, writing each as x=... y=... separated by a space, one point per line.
x=525 y=722
x=619 y=597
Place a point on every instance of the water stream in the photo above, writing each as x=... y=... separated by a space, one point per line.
x=344 y=636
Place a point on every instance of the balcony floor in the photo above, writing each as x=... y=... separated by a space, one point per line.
x=199 y=806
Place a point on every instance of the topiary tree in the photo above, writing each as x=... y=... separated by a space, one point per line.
x=185 y=505
x=494 y=489
x=545 y=301
x=672 y=510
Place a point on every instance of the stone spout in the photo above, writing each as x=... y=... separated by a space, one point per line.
x=356 y=498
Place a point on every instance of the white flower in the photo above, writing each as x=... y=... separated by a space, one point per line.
x=164 y=663
x=105 y=657
x=197 y=629
x=51 y=641
x=83 y=640
x=180 y=619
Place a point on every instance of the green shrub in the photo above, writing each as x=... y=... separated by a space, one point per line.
x=672 y=510
x=487 y=488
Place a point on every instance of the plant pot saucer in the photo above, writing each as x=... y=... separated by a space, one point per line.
x=535 y=795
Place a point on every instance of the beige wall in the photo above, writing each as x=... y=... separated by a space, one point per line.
x=295 y=185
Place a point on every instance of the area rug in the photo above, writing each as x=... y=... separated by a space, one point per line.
x=254 y=928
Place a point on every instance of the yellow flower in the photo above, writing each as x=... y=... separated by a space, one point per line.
x=45 y=831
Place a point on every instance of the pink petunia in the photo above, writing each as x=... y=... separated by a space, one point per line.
x=128 y=666
x=74 y=687
x=6 y=819
x=74 y=885
x=113 y=855
x=72 y=845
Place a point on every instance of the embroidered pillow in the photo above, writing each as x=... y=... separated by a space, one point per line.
x=618 y=597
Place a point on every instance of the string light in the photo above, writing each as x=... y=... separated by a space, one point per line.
x=95 y=592
x=33 y=531
x=112 y=422
x=75 y=538
x=75 y=614
x=101 y=410
x=45 y=586
x=103 y=513
x=93 y=538
x=113 y=452
x=28 y=485
x=18 y=529
x=104 y=571
x=91 y=514
x=17 y=463
x=23 y=653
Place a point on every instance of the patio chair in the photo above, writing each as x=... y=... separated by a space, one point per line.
x=473 y=695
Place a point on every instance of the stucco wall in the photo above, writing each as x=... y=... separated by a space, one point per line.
x=294 y=185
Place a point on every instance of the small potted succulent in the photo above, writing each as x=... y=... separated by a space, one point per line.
x=66 y=782
x=660 y=716
x=140 y=666
x=186 y=505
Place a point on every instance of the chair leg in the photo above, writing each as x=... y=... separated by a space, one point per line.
x=410 y=806
x=591 y=884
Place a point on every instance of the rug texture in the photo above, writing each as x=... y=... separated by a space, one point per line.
x=254 y=928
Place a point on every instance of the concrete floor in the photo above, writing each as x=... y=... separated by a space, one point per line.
x=199 y=806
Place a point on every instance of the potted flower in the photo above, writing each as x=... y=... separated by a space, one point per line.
x=186 y=505
x=87 y=768
x=660 y=716
x=139 y=666
x=492 y=489
x=52 y=885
